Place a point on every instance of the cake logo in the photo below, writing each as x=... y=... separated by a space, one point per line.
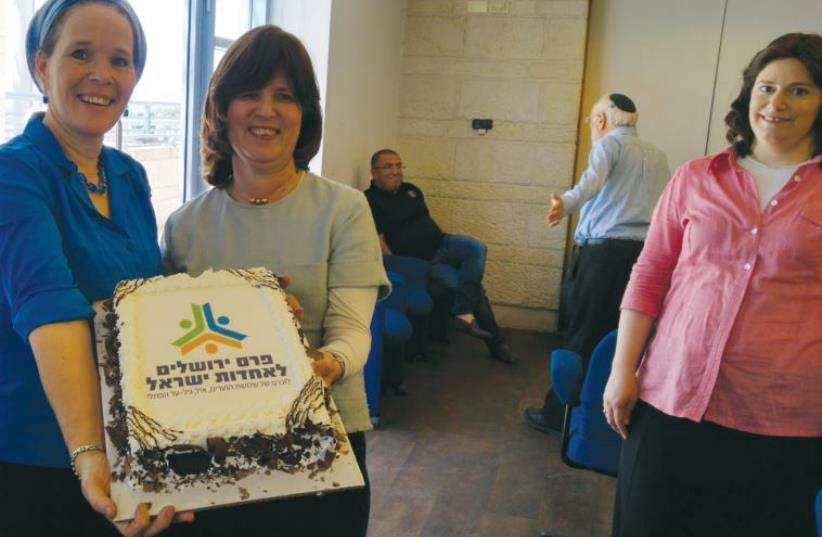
x=205 y=331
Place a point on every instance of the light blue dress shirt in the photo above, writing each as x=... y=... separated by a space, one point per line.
x=619 y=189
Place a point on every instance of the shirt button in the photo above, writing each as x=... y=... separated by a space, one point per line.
x=796 y=178
x=774 y=203
x=747 y=267
x=754 y=231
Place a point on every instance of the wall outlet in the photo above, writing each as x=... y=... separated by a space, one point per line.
x=482 y=124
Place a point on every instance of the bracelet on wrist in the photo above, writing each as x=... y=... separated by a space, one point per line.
x=83 y=449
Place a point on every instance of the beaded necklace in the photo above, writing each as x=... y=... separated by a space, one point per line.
x=102 y=185
x=264 y=200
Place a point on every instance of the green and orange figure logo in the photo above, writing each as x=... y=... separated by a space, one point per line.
x=205 y=331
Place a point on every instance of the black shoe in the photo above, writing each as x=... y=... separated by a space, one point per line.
x=438 y=338
x=418 y=357
x=472 y=329
x=535 y=418
x=501 y=352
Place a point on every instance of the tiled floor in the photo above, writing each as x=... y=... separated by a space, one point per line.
x=453 y=458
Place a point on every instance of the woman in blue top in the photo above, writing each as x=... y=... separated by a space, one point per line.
x=75 y=218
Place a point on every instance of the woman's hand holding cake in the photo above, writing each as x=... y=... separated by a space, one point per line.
x=327 y=366
x=94 y=472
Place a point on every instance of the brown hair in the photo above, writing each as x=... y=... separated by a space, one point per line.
x=250 y=63
x=807 y=48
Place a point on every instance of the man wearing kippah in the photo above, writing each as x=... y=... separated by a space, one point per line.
x=616 y=195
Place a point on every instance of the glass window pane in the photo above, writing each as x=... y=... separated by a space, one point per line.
x=219 y=52
x=232 y=18
x=20 y=96
x=153 y=133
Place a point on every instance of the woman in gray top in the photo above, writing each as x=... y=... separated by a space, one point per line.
x=262 y=125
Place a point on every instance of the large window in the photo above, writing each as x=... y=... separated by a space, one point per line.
x=154 y=130
x=186 y=39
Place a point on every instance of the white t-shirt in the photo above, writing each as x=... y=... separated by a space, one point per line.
x=769 y=179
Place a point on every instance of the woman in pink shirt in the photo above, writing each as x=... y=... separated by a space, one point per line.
x=723 y=417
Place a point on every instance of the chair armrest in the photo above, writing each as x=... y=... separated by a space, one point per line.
x=566 y=376
x=398 y=299
x=416 y=271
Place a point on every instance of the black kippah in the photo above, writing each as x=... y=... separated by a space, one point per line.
x=623 y=102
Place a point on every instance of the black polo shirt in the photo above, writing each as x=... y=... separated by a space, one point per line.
x=403 y=218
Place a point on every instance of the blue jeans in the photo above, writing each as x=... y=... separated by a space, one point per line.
x=459 y=264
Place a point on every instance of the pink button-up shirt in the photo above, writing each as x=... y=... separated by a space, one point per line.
x=737 y=292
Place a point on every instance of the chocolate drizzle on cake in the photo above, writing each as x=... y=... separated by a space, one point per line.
x=257 y=277
x=262 y=277
x=126 y=287
x=146 y=430
x=118 y=428
x=312 y=397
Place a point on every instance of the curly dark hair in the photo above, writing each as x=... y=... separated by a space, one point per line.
x=250 y=63
x=807 y=48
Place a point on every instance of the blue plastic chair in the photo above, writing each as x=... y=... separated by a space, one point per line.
x=819 y=513
x=390 y=329
x=373 y=366
x=396 y=331
x=396 y=328
x=419 y=302
x=416 y=273
x=587 y=440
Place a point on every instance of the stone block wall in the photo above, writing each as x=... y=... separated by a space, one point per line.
x=520 y=63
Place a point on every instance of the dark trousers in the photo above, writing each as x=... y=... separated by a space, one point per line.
x=335 y=513
x=443 y=297
x=459 y=263
x=678 y=478
x=591 y=293
x=35 y=501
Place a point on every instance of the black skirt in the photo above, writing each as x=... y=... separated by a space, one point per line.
x=679 y=478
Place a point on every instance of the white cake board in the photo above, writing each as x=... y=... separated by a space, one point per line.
x=343 y=474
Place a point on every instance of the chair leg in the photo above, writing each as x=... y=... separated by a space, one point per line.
x=424 y=337
x=566 y=433
x=393 y=368
x=417 y=348
x=440 y=315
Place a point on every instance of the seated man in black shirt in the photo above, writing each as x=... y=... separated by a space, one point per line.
x=405 y=227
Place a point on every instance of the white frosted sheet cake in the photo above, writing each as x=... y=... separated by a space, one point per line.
x=208 y=388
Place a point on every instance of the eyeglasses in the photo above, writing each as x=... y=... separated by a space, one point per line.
x=399 y=167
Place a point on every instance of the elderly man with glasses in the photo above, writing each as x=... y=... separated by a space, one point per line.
x=405 y=227
x=616 y=194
